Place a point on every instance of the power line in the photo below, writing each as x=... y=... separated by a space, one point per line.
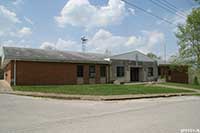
x=160 y=4
x=171 y=6
x=142 y=9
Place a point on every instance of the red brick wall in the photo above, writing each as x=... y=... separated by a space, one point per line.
x=178 y=74
x=8 y=72
x=47 y=73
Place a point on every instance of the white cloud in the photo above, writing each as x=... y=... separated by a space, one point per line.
x=151 y=39
x=17 y=2
x=63 y=44
x=29 y=20
x=103 y=40
x=19 y=43
x=81 y=13
x=8 y=14
x=133 y=40
x=149 y=10
x=7 y=19
x=60 y=45
x=25 y=31
x=131 y=11
x=180 y=20
x=48 y=45
x=176 y=19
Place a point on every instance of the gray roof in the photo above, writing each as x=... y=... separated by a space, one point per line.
x=30 y=54
x=133 y=56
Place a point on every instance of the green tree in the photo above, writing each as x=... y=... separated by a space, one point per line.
x=153 y=56
x=189 y=38
x=197 y=1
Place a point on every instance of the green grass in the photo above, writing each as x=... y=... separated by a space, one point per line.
x=106 y=89
x=183 y=85
x=196 y=94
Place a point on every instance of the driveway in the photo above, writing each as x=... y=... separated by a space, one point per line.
x=161 y=115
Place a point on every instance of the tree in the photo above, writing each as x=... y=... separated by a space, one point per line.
x=180 y=60
x=197 y=1
x=189 y=38
x=153 y=56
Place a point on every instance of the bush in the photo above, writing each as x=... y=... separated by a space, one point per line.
x=196 y=82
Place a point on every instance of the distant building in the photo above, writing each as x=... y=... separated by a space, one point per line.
x=133 y=67
x=26 y=66
x=174 y=73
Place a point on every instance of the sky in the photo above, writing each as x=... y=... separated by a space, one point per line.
x=109 y=25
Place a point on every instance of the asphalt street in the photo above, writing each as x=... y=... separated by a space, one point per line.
x=161 y=115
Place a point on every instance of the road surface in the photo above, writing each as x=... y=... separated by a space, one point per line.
x=161 y=115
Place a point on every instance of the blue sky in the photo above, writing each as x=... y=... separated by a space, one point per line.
x=108 y=24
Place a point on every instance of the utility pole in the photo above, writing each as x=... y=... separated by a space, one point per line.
x=165 y=52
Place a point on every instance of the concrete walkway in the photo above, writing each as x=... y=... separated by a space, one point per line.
x=177 y=87
x=4 y=86
x=162 y=85
x=136 y=83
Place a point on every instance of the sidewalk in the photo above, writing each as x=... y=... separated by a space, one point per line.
x=177 y=87
x=4 y=86
x=96 y=98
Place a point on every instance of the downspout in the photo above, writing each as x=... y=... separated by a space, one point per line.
x=15 y=73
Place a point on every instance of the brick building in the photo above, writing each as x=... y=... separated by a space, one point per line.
x=25 y=66
x=174 y=73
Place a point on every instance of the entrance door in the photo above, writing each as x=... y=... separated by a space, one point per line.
x=134 y=74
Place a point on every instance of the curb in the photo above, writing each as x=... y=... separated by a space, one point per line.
x=96 y=98
x=150 y=96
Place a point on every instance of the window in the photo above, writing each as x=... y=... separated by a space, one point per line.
x=92 y=71
x=103 y=71
x=80 y=71
x=150 y=71
x=169 y=72
x=159 y=71
x=120 y=71
x=140 y=63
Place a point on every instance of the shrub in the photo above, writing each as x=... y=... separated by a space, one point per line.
x=196 y=82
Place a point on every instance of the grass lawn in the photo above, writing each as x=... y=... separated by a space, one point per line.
x=196 y=95
x=183 y=85
x=106 y=89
